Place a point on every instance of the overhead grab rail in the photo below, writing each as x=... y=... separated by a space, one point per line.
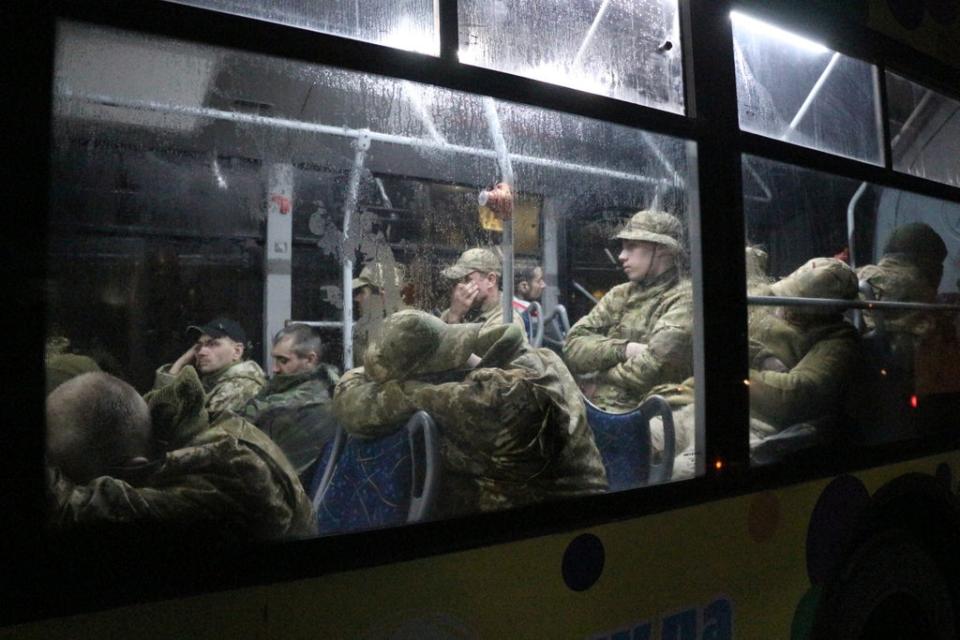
x=836 y=303
x=346 y=132
x=320 y=324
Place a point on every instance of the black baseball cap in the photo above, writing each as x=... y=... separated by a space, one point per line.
x=220 y=327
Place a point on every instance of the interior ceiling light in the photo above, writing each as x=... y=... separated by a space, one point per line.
x=743 y=21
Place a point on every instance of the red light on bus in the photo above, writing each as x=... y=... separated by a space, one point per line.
x=718 y=464
x=914 y=402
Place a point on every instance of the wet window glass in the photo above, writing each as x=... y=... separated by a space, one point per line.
x=797 y=90
x=625 y=50
x=233 y=236
x=404 y=24
x=853 y=320
x=924 y=127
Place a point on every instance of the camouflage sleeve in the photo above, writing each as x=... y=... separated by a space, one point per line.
x=483 y=414
x=253 y=408
x=669 y=354
x=247 y=499
x=163 y=377
x=232 y=394
x=587 y=348
x=812 y=388
x=370 y=409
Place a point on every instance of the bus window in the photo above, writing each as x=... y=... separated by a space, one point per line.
x=923 y=123
x=203 y=200
x=405 y=24
x=794 y=89
x=630 y=51
x=837 y=362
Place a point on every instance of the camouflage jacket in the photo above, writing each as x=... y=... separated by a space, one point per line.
x=896 y=278
x=367 y=329
x=510 y=435
x=658 y=315
x=295 y=412
x=226 y=389
x=821 y=359
x=489 y=315
x=225 y=476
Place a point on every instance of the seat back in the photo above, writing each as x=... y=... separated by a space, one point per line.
x=323 y=467
x=382 y=482
x=533 y=321
x=625 y=444
x=556 y=326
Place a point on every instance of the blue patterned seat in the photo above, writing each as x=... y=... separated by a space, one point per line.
x=533 y=322
x=382 y=482
x=625 y=445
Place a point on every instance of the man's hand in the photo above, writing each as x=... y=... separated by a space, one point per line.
x=188 y=357
x=461 y=300
x=634 y=350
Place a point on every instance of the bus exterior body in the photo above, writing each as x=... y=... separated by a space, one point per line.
x=313 y=150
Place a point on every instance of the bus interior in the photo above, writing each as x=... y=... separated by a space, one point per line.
x=190 y=181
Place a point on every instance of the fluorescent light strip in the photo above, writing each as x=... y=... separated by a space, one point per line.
x=743 y=21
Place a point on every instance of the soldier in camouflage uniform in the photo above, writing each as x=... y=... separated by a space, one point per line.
x=802 y=360
x=909 y=271
x=294 y=408
x=639 y=334
x=512 y=428
x=63 y=366
x=228 y=379
x=681 y=396
x=806 y=356
x=475 y=292
x=377 y=293
x=163 y=463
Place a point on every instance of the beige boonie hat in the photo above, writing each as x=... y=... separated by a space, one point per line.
x=482 y=260
x=651 y=225
x=376 y=274
x=819 y=278
x=414 y=343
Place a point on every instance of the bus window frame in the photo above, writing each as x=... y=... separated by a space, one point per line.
x=711 y=124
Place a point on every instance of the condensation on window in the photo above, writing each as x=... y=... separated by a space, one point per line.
x=797 y=90
x=625 y=50
x=403 y=24
x=190 y=183
x=924 y=131
x=833 y=377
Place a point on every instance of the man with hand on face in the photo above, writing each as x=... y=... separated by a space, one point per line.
x=639 y=336
x=228 y=379
x=475 y=296
x=293 y=408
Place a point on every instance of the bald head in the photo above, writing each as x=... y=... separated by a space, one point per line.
x=95 y=423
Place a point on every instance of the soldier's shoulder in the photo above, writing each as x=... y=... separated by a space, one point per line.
x=245 y=369
x=681 y=292
x=231 y=425
x=617 y=296
x=621 y=290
